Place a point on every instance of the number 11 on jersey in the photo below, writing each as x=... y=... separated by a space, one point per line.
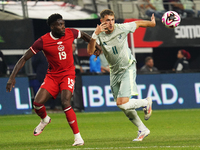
x=114 y=50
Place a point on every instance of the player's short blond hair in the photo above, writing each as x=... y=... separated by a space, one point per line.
x=106 y=12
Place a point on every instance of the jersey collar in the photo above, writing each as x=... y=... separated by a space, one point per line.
x=53 y=36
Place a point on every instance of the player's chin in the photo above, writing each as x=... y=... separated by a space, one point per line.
x=63 y=33
x=110 y=28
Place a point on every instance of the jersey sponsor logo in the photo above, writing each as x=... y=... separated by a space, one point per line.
x=104 y=43
x=61 y=48
x=60 y=42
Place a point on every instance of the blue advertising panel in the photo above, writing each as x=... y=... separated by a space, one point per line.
x=97 y=94
x=168 y=91
x=18 y=101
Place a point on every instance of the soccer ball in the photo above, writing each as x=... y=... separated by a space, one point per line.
x=171 y=19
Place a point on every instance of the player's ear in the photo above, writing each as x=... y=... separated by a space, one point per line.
x=51 y=27
x=101 y=20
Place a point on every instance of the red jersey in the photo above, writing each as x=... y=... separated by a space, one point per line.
x=58 y=51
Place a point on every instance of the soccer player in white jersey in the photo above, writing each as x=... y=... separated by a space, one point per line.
x=112 y=38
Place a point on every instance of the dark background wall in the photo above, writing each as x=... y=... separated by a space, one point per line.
x=21 y=35
x=40 y=26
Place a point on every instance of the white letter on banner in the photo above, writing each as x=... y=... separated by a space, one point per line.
x=197 y=92
x=109 y=96
x=197 y=31
x=153 y=91
x=140 y=88
x=29 y=97
x=177 y=30
x=85 y=103
x=164 y=88
x=18 y=100
x=97 y=95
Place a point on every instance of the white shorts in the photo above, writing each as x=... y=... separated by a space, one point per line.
x=127 y=86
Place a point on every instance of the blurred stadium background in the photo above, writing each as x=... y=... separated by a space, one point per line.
x=22 y=22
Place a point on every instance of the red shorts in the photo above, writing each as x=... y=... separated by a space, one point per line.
x=56 y=83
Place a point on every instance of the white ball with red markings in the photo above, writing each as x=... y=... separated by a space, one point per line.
x=171 y=19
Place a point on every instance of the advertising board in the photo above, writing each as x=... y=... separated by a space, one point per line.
x=18 y=101
x=168 y=91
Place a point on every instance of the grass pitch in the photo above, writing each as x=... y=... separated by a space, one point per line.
x=170 y=129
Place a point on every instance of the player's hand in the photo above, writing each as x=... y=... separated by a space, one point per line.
x=101 y=28
x=153 y=19
x=97 y=52
x=10 y=85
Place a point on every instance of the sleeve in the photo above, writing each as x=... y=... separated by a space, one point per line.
x=37 y=46
x=97 y=40
x=128 y=27
x=76 y=33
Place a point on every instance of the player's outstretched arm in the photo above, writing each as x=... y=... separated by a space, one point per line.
x=18 y=66
x=91 y=46
x=87 y=38
x=145 y=23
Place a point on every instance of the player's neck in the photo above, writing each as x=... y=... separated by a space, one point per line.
x=109 y=32
x=55 y=37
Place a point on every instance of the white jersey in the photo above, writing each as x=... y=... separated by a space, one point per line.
x=115 y=47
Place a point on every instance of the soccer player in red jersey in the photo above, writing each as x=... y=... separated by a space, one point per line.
x=57 y=47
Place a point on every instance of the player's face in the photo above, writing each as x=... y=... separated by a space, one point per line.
x=58 y=28
x=180 y=55
x=150 y=63
x=110 y=21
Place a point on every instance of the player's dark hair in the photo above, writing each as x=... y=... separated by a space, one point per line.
x=106 y=12
x=53 y=18
x=148 y=58
x=185 y=53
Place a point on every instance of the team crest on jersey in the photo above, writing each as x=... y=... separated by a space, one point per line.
x=119 y=38
x=61 y=48
x=60 y=42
